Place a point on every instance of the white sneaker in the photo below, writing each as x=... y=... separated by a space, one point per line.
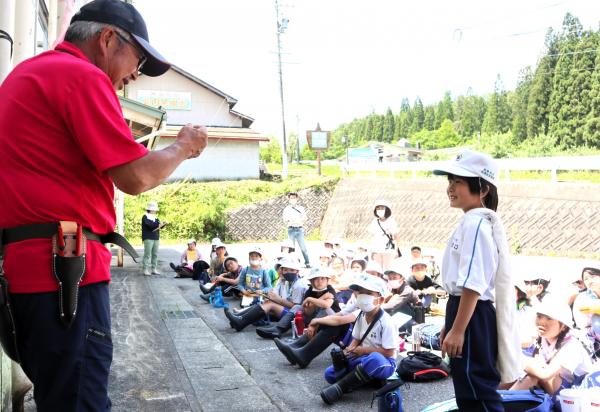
x=147 y=272
x=155 y=271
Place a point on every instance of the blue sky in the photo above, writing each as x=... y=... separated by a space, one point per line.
x=346 y=58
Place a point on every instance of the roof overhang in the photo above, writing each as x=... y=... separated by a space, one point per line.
x=221 y=133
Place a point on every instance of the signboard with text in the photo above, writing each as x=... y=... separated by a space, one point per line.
x=317 y=139
x=168 y=100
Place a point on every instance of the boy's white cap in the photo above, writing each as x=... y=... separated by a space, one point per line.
x=317 y=273
x=396 y=267
x=215 y=241
x=219 y=244
x=256 y=249
x=369 y=282
x=556 y=309
x=532 y=275
x=373 y=267
x=289 y=263
x=469 y=163
x=190 y=241
x=419 y=262
x=152 y=206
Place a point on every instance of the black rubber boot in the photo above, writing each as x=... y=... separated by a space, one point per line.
x=348 y=383
x=205 y=289
x=205 y=297
x=248 y=317
x=303 y=356
x=296 y=344
x=277 y=329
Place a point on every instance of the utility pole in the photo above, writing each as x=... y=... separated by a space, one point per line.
x=281 y=26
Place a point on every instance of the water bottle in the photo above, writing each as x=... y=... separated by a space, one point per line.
x=294 y=331
x=299 y=322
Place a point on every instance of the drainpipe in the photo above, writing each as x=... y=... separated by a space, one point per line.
x=52 y=21
x=7 y=36
x=25 y=18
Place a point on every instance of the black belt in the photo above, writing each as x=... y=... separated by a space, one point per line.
x=294 y=227
x=47 y=230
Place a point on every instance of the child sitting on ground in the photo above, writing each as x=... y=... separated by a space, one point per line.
x=402 y=297
x=318 y=301
x=255 y=282
x=559 y=359
x=189 y=257
x=372 y=352
x=227 y=280
x=423 y=284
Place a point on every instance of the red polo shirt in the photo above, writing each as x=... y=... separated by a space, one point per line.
x=61 y=128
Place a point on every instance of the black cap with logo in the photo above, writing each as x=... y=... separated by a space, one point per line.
x=125 y=16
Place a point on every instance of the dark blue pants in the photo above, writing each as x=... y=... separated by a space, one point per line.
x=474 y=375
x=375 y=365
x=68 y=366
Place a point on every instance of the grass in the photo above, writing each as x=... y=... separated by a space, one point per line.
x=304 y=169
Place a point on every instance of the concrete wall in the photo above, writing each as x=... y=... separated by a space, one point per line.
x=540 y=217
x=221 y=160
x=208 y=108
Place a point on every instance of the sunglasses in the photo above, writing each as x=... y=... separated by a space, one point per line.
x=142 y=59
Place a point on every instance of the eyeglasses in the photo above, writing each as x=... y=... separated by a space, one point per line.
x=142 y=59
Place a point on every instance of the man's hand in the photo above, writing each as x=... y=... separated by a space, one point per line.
x=453 y=343
x=194 y=138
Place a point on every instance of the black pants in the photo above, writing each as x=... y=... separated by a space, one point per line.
x=474 y=375
x=68 y=367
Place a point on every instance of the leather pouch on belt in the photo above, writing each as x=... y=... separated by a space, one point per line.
x=68 y=266
x=8 y=336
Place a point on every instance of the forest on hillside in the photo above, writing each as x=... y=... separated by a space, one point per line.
x=555 y=108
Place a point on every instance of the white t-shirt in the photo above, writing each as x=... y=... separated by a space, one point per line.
x=295 y=293
x=572 y=357
x=383 y=334
x=294 y=215
x=471 y=257
x=380 y=239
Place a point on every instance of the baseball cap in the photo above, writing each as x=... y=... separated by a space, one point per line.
x=419 y=262
x=215 y=241
x=369 y=282
x=396 y=267
x=317 y=273
x=469 y=163
x=258 y=250
x=125 y=16
x=373 y=267
x=556 y=309
x=289 y=263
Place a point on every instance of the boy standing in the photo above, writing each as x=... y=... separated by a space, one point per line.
x=294 y=217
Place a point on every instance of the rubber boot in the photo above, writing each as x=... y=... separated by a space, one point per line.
x=303 y=356
x=275 y=330
x=348 y=383
x=296 y=344
x=248 y=317
x=207 y=288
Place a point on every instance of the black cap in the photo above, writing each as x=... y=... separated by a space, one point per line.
x=125 y=16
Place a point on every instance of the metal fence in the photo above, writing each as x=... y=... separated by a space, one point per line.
x=552 y=164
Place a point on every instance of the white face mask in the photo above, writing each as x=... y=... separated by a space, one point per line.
x=365 y=302
x=293 y=202
x=380 y=213
x=254 y=262
x=394 y=284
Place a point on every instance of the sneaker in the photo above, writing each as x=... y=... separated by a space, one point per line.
x=147 y=272
x=155 y=271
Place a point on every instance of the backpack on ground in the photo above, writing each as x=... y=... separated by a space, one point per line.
x=422 y=367
x=429 y=334
x=389 y=397
x=532 y=400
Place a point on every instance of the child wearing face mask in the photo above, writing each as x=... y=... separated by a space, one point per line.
x=384 y=231
x=372 y=352
x=481 y=335
x=318 y=301
x=402 y=297
x=422 y=283
x=253 y=280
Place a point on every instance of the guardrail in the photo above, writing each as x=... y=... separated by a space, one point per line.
x=552 y=164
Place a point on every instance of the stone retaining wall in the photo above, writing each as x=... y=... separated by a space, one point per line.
x=262 y=221
x=540 y=217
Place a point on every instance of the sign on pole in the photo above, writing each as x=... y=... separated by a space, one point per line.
x=318 y=140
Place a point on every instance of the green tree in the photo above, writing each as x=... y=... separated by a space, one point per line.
x=271 y=152
x=497 y=116
x=538 y=103
x=444 y=110
x=469 y=114
x=389 y=125
x=418 y=118
x=429 y=121
x=591 y=132
x=519 y=106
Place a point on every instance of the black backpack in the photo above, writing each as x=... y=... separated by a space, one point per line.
x=422 y=367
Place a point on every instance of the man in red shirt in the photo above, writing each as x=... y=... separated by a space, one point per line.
x=63 y=144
